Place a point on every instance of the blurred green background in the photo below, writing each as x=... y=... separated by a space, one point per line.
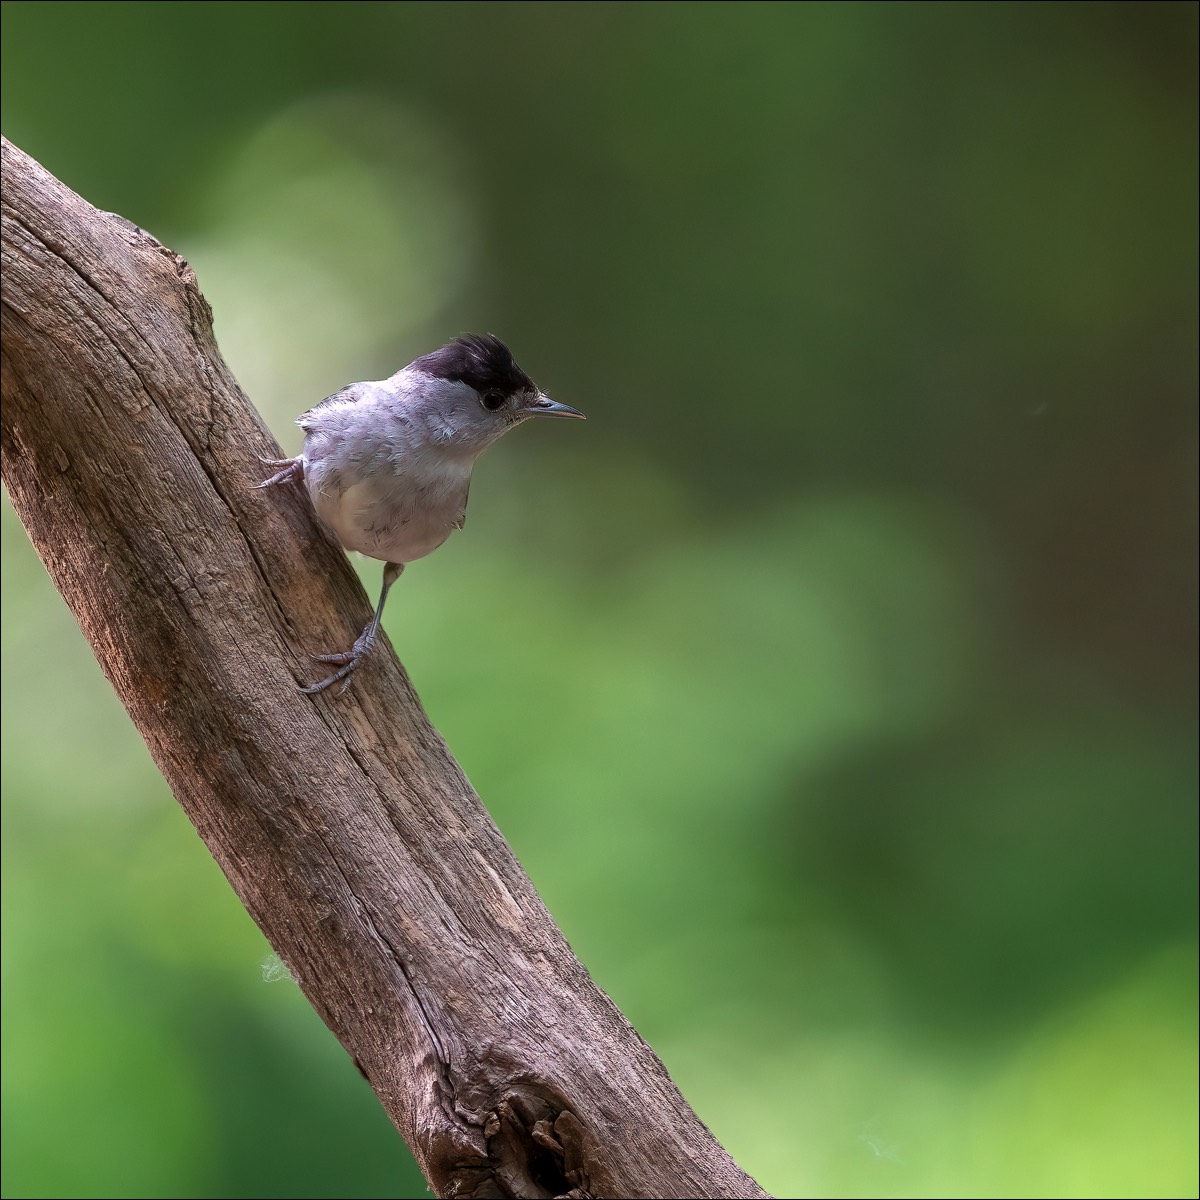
x=853 y=743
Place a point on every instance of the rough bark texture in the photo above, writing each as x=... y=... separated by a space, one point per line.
x=348 y=831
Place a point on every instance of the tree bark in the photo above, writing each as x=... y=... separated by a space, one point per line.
x=350 y=834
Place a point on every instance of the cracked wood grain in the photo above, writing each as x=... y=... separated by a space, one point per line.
x=346 y=828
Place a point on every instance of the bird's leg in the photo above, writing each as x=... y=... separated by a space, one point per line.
x=289 y=469
x=350 y=659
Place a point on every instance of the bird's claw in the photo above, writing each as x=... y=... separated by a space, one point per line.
x=347 y=661
x=288 y=469
x=346 y=656
x=344 y=673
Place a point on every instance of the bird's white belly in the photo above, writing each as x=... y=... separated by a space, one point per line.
x=396 y=519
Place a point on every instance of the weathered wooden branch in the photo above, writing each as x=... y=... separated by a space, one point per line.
x=348 y=831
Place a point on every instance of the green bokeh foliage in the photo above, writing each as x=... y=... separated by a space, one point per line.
x=835 y=683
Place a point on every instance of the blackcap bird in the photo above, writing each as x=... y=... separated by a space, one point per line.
x=388 y=464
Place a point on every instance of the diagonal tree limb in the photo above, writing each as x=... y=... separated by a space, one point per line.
x=348 y=831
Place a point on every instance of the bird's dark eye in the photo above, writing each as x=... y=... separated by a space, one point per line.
x=493 y=400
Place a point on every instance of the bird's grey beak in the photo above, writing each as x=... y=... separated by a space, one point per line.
x=543 y=406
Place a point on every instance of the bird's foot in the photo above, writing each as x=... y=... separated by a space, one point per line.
x=348 y=661
x=289 y=469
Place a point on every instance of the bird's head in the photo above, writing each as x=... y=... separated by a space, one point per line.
x=474 y=387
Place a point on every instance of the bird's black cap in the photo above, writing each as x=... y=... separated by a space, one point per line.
x=480 y=360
